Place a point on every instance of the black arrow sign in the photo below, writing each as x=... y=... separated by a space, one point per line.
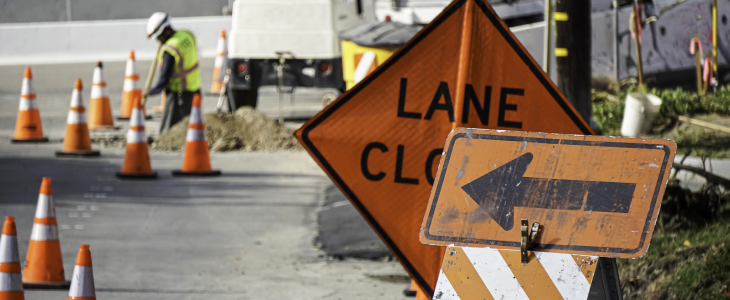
x=499 y=191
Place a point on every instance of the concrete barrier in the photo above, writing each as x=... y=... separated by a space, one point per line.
x=85 y=41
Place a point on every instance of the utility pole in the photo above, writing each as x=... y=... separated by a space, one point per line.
x=573 y=53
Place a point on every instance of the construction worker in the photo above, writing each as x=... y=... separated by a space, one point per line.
x=179 y=73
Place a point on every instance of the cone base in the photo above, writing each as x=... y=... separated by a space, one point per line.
x=152 y=175
x=147 y=117
x=196 y=173
x=47 y=285
x=31 y=140
x=81 y=153
x=104 y=128
x=409 y=292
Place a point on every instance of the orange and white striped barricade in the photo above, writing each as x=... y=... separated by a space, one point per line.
x=100 y=111
x=82 y=282
x=44 y=263
x=77 y=141
x=11 y=283
x=131 y=91
x=219 y=66
x=137 y=157
x=196 y=161
x=28 y=128
x=488 y=273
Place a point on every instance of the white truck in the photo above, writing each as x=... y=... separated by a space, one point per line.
x=288 y=43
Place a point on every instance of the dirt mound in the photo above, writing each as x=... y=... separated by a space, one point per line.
x=245 y=130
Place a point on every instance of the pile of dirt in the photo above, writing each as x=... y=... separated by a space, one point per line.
x=245 y=130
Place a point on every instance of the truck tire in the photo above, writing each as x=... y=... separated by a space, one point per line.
x=239 y=98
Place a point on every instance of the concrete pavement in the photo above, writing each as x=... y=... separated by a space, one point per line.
x=245 y=235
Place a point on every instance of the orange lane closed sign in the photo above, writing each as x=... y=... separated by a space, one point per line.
x=380 y=142
x=592 y=195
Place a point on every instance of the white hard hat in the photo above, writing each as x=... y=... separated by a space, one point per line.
x=157 y=22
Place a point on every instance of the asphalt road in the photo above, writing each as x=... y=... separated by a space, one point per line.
x=245 y=235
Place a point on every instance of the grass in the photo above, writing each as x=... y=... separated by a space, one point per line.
x=608 y=114
x=688 y=264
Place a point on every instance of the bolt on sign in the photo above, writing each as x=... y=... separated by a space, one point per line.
x=380 y=142
x=592 y=195
x=486 y=273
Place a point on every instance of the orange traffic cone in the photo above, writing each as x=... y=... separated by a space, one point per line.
x=137 y=158
x=44 y=263
x=196 y=161
x=131 y=88
x=82 y=282
x=411 y=290
x=77 y=141
x=11 y=284
x=28 y=126
x=100 y=111
x=220 y=58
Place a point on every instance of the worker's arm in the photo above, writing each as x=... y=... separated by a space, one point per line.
x=168 y=67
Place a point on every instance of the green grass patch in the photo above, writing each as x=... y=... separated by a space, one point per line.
x=608 y=113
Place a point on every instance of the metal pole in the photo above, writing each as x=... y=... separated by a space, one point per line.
x=615 y=40
x=547 y=53
x=68 y=10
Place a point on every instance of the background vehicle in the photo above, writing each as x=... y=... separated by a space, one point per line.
x=289 y=44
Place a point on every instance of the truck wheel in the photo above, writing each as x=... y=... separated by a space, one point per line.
x=240 y=98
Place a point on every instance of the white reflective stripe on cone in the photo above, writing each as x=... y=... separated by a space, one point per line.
x=130 y=85
x=11 y=282
x=503 y=284
x=82 y=282
x=76 y=100
x=75 y=117
x=221 y=47
x=27 y=87
x=98 y=75
x=9 y=249
x=361 y=70
x=45 y=208
x=218 y=61
x=97 y=92
x=42 y=232
x=563 y=270
x=131 y=69
x=136 y=119
x=196 y=116
x=195 y=135
x=134 y=136
x=27 y=104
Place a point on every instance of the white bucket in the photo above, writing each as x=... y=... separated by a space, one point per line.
x=639 y=114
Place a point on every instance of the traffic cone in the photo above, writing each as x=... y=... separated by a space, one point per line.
x=44 y=263
x=196 y=161
x=28 y=126
x=77 y=141
x=411 y=290
x=82 y=282
x=11 y=284
x=100 y=111
x=220 y=58
x=137 y=158
x=131 y=88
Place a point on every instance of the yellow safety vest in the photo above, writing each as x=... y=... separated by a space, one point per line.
x=186 y=75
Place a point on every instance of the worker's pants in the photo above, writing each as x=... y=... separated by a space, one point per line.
x=177 y=106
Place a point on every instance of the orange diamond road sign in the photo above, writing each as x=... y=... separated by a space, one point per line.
x=380 y=141
x=592 y=195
